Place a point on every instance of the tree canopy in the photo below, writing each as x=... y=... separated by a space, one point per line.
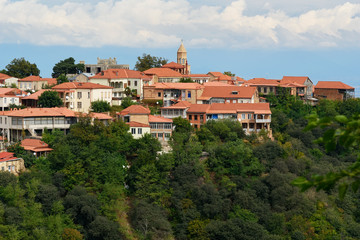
x=50 y=99
x=147 y=61
x=21 y=68
x=100 y=106
x=67 y=66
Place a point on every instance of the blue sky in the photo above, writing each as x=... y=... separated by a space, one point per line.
x=263 y=38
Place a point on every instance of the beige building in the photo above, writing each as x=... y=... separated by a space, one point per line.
x=11 y=164
x=7 y=81
x=182 y=59
x=78 y=96
x=9 y=96
x=35 y=83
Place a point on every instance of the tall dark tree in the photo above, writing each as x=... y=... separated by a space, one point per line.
x=147 y=61
x=21 y=68
x=49 y=99
x=67 y=66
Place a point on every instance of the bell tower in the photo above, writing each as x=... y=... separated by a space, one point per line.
x=182 y=58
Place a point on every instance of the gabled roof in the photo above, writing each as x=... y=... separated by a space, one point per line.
x=263 y=82
x=183 y=86
x=4 y=76
x=173 y=65
x=256 y=108
x=135 y=109
x=197 y=75
x=118 y=74
x=100 y=116
x=220 y=76
x=36 y=95
x=41 y=112
x=7 y=91
x=31 y=79
x=216 y=84
x=158 y=119
x=80 y=85
x=292 y=79
x=6 y=156
x=227 y=92
x=50 y=81
x=333 y=85
x=137 y=124
x=35 y=145
x=163 y=72
x=179 y=105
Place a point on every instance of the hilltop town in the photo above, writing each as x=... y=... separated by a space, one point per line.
x=105 y=152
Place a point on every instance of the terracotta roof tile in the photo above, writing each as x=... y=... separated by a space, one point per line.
x=333 y=85
x=40 y=112
x=157 y=119
x=6 y=156
x=227 y=92
x=80 y=85
x=163 y=72
x=179 y=105
x=216 y=84
x=257 y=108
x=135 y=109
x=35 y=145
x=177 y=86
x=118 y=74
x=263 y=82
x=292 y=79
x=4 y=76
x=220 y=76
x=137 y=124
x=31 y=79
x=173 y=65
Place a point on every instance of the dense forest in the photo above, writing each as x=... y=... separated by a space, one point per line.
x=216 y=183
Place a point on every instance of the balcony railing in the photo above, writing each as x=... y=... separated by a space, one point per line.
x=263 y=120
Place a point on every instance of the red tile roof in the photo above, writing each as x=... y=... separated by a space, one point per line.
x=197 y=75
x=292 y=79
x=35 y=145
x=31 y=79
x=257 y=108
x=6 y=156
x=179 y=105
x=50 y=81
x=183 y=86
x=4 y=76
x=333 y=85
x=173 y=65
x=216 y=84
x=263 y=82
x=135 y=109
x=137 y=124
x=163 y=72
x=227 y=92
x=8 y=91
x=157 y=119
x=118 y=74
x=100 y=116
x=220 y=76
x=80 y=85
x=40 y=112
x=35 y=95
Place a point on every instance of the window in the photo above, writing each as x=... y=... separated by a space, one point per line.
x=159 y=94
x=129 y=83
x=9 y=168
x=201 y=118
x=195 y=126
x=13 y=168
x=79 y=105
x=2 y=168
x=0 y=120
x=167 y=135
x=135 y=83
x=133 y=130
x=153 y=135
x=5 y=120
x=79 y=95
x=190 y=117
x=189 y=94
x=4 y=100
x=249 y=116
x=139 y=130
x=160 y=135
x=195 y=117
x=89 y=95
x=243 y=116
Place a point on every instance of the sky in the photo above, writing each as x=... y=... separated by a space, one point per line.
x=263 y=38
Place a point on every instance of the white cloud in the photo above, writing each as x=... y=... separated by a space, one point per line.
x=160 y=23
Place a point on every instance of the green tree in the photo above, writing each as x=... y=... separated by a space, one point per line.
x=147 y=61
x=229 y=73
x=127 y=102
x=67 y=66
x=186 y=80
x=50 y=99
x=100 y=106
x=62 y=78
x=21 y=68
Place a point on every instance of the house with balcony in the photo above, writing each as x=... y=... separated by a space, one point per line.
x=119 y=80
x=264 y=86
x=78 y=96
x=35 y=83
x=333 y=90
x=198 y=78
x=141 y=122
x=300 y=86
x=228 y=94
x=253 y=117
x=36 y=147
x=177 y=110
x=171 y=93
x=17 y=125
